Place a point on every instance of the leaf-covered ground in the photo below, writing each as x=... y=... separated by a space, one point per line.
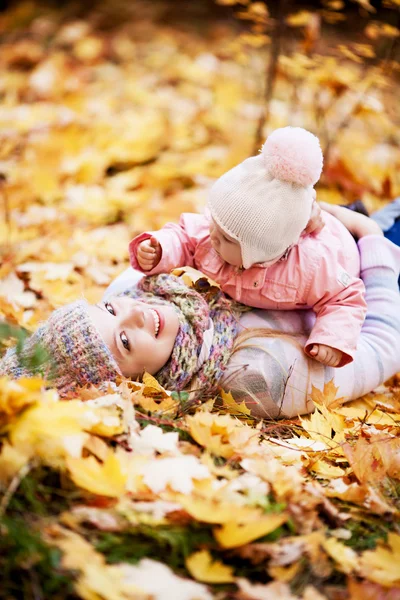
x=114 y=120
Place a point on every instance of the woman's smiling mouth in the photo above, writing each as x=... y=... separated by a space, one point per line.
x=158 y=321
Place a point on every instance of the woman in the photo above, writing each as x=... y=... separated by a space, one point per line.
x=190 y=342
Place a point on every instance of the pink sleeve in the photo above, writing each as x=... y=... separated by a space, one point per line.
x=338 y=300
x=178 y=243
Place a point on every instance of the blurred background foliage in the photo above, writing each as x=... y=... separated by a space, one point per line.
x=115 y=117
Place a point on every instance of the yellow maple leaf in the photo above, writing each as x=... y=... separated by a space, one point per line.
x=326 y=470
x=202 y=567
x=9 y=309
x=17 y=395
x=284 y=574
x=212 y=432
x=151 y=387
x=345 y=557
x=382 y=564
x=196 y=279
x=154 y=398
x=233 y=407
x=318 y=428
x=107 y=421
x=209 y=510
x=233 y=534
x=168 y=406
x=52 y=429
x=105 y=479
x=327 y=397
x=367 y=409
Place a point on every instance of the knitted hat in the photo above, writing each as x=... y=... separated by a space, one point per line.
x=265 y=202
x=77 y=355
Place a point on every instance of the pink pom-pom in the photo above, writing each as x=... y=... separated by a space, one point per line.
x=293 y=154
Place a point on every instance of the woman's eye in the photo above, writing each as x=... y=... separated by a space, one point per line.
x=125 y=341
x=109 y=307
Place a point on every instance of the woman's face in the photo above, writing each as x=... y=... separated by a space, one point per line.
x=140 y=336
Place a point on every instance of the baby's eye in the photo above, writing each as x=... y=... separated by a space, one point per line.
x=125 y=341
x=109 y=307
x=226 y=240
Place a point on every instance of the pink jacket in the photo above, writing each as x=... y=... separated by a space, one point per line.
x=320 y=272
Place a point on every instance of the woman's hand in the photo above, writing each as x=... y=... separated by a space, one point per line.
x=359 y=225
x=316 y=221
x=326 y=355
x=149 y=254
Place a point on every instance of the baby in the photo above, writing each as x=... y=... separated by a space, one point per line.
x=252 y=242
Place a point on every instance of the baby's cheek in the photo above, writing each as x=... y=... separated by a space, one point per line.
x=236 y=256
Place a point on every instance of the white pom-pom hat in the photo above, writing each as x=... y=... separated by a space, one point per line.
x=265 y=202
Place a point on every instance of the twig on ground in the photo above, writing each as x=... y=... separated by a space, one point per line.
x=12 y=488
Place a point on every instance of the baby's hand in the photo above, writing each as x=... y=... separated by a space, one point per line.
x=326 y=355
x=149 y=254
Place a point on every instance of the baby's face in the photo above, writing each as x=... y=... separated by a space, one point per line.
x=225 y=246
x=140 y=336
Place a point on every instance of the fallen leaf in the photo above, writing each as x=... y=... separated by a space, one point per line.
x=15 y=396
x=327 y=397
x=345 y=557
x=194 y=278
x=382 y=564
x=203 y=568
x=210 y=510
x=178 y=473
x=157 y=581
x=213 y=432
x=233 y=407
x=233 y=534
x=284 y=574
x=107 y=478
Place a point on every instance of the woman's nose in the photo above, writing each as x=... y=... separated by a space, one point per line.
x=133 y=315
